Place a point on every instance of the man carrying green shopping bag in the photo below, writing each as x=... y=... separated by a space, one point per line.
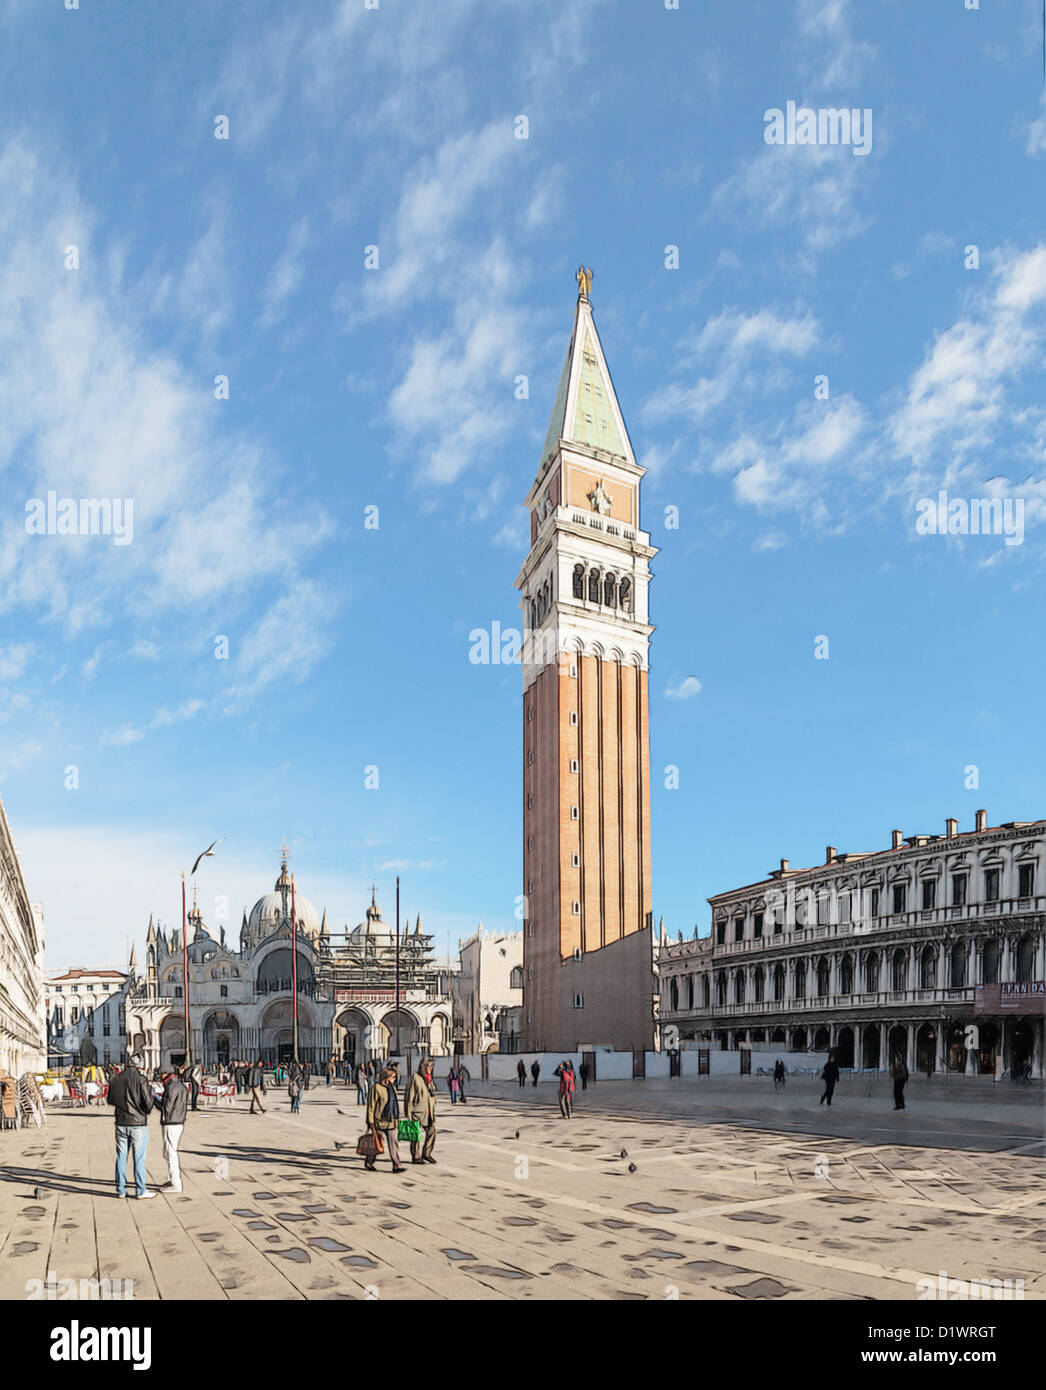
x=420 y=1105
x=383 y=1117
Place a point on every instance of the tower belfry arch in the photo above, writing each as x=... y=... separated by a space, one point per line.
x=584 y=597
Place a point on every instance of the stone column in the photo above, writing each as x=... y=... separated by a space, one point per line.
x=913 y=1029
x=942 y=1053
x=884 y=1035
x=858 y=1046
x=942 y=964
x=971 y=1059
x=1007 y=961
x=913 y=966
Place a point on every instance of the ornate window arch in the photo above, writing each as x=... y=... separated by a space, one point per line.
x=899 y=977
x=579 y=581
x=593 y=585
x=610 y=591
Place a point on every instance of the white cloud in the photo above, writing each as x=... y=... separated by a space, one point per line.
x=186 y=710
x=286 y=275
x=685 y=689
x=286 y=642
x=956 y=401
x=13 y=659
x=456 y=398
x=64 y=864
x=88 y=408
x=121 y=737
x=747 y=352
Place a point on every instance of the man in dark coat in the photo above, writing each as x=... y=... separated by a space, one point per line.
x=535 y=1070
x=257 y=1084
x=899 y=1076
x=829 y=1076
x=132 y=1099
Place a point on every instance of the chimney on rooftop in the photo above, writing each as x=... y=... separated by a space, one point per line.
x=982 y=820
x=784 y=865
x=952 y=827
x=898 y=838
x=829 y=854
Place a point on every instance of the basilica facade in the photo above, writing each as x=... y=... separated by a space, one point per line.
x=241 y=1002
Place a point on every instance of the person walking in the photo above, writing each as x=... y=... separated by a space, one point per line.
x=173 y=1106
x=383 y=1117
x=565 y=1072
x=899 y=1076
x=306 y=1070
x=582 y=1071
x=454 y=1085
x=779 y=1074
x=131 y=1097
x=521 y=1072
x=330 y=1072
x=830 y=1075
x=362 y=1084
x=294 y=1091
x=535 y=1070
x=420 y=1105
x=463 y=1075
x=257 y=1085
x=195 y=1078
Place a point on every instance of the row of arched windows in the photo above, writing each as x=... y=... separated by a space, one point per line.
x=540 y=605
x=602 y=588
x=889 y=969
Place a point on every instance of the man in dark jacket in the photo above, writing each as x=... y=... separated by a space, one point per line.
x=195 y=1078
x=132 y=1099
x=172 y=1121
x=899 y=1076
x=257 y=1083
x=829 y=1076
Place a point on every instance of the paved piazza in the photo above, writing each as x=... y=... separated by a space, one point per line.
x=737 y=1193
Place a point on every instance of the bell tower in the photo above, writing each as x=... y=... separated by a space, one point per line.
x=588 y=972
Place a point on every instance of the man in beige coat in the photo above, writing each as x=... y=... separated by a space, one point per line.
x=383 y=1117
x=420 y=1105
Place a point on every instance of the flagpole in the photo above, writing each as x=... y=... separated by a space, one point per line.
x=185 y=978
x=294 y=971
x=397 y=965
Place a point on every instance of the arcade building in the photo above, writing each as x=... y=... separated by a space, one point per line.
x=933 y=950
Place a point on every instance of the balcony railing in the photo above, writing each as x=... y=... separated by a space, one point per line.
x=884 y=922
x=872 y=999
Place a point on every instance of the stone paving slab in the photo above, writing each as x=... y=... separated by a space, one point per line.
x=637 y=1197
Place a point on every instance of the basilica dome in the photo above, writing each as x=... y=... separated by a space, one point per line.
x=267 y=912
x=372 y=928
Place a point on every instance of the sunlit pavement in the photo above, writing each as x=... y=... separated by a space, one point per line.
x=715 y=1189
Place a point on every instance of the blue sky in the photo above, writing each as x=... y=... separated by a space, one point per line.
x=395 y=387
